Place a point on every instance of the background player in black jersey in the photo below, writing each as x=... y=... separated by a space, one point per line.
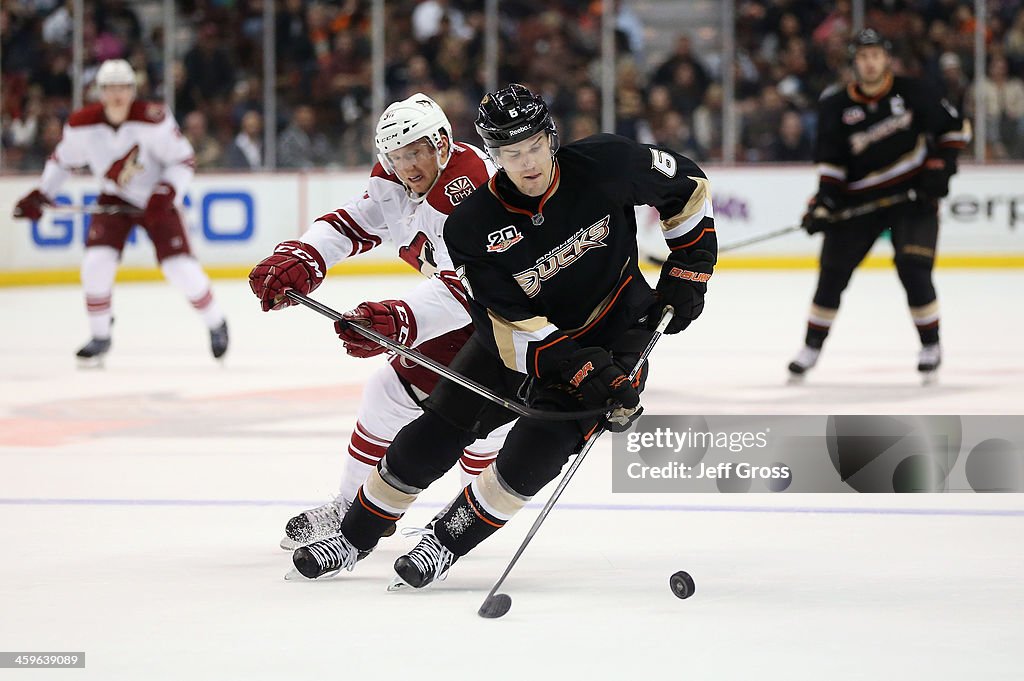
x=547 y=250
x=879 y=138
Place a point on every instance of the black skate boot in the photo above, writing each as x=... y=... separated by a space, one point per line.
x=802 y=363
x=928 y=361
x=219 y=340
x=429 y=561
x=326 y=557
x=92 y=353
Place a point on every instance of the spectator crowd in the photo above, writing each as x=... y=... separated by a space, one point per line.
x=788 y=52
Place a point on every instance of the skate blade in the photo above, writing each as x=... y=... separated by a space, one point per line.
x=796 y=379
x=91 y=363
x=294 y=575
x=397 y=584
x=289 y=544
x=929 y=378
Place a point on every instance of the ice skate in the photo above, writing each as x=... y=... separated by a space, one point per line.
x=318 y=523
x=802 y=363
x=325 y=558
x=315 y=524
x=428 y=562
x=92 y=353
x=928 y=361
x=219 y=340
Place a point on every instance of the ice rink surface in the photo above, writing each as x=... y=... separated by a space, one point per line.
x=142 y=506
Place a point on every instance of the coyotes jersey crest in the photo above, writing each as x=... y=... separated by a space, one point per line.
x=125 y=168
x=420 y=254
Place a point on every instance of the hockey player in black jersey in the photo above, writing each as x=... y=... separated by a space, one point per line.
x=887 y=138
x=548 y=253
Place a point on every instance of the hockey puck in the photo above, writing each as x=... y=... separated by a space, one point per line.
x=682 y=584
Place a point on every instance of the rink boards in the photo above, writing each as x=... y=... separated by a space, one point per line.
x=234 y=220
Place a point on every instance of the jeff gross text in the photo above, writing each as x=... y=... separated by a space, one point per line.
x=734 y=442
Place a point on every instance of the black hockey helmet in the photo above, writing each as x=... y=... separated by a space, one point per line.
x=869 y=37
x=513 y=114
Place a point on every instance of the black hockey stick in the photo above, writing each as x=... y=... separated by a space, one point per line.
x=496 y=604
x=441 y=370
x=841 y=216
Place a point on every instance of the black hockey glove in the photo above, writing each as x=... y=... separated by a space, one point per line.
x=598 y=379
x=820 y=213
x=683 y=283
x=934 y=178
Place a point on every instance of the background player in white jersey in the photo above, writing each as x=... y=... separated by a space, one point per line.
x=144 y=165
x=422 y=174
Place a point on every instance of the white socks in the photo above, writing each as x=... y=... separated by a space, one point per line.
x=99 y=265
x=185 y=274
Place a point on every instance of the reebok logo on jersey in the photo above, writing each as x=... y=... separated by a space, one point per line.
x=503 y=239
x=564 y=255
x=458 y=189
x=125 y=168
x=581 y=374
x=689 y=275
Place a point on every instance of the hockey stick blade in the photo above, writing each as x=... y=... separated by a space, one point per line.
x=495 y=604
x=855 y=212
x=408 y=353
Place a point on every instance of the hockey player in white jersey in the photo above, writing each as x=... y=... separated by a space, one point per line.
x=422 y=174
x=144 y=165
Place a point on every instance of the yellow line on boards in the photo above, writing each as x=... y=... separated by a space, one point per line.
x=731 y=262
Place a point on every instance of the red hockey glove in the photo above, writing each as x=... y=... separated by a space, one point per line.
x=391 y=318
x=683 y=283
x=161 y=202
x=294 y=265
x=599 y=380
x=31 y=206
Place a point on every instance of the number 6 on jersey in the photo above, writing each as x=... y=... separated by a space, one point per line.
x=663 y=162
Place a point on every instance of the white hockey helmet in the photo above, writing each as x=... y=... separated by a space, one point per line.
x=405 y=122
x=115 y=72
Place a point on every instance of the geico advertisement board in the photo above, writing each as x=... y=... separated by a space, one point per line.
x=232 y=219
x=237 y=219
